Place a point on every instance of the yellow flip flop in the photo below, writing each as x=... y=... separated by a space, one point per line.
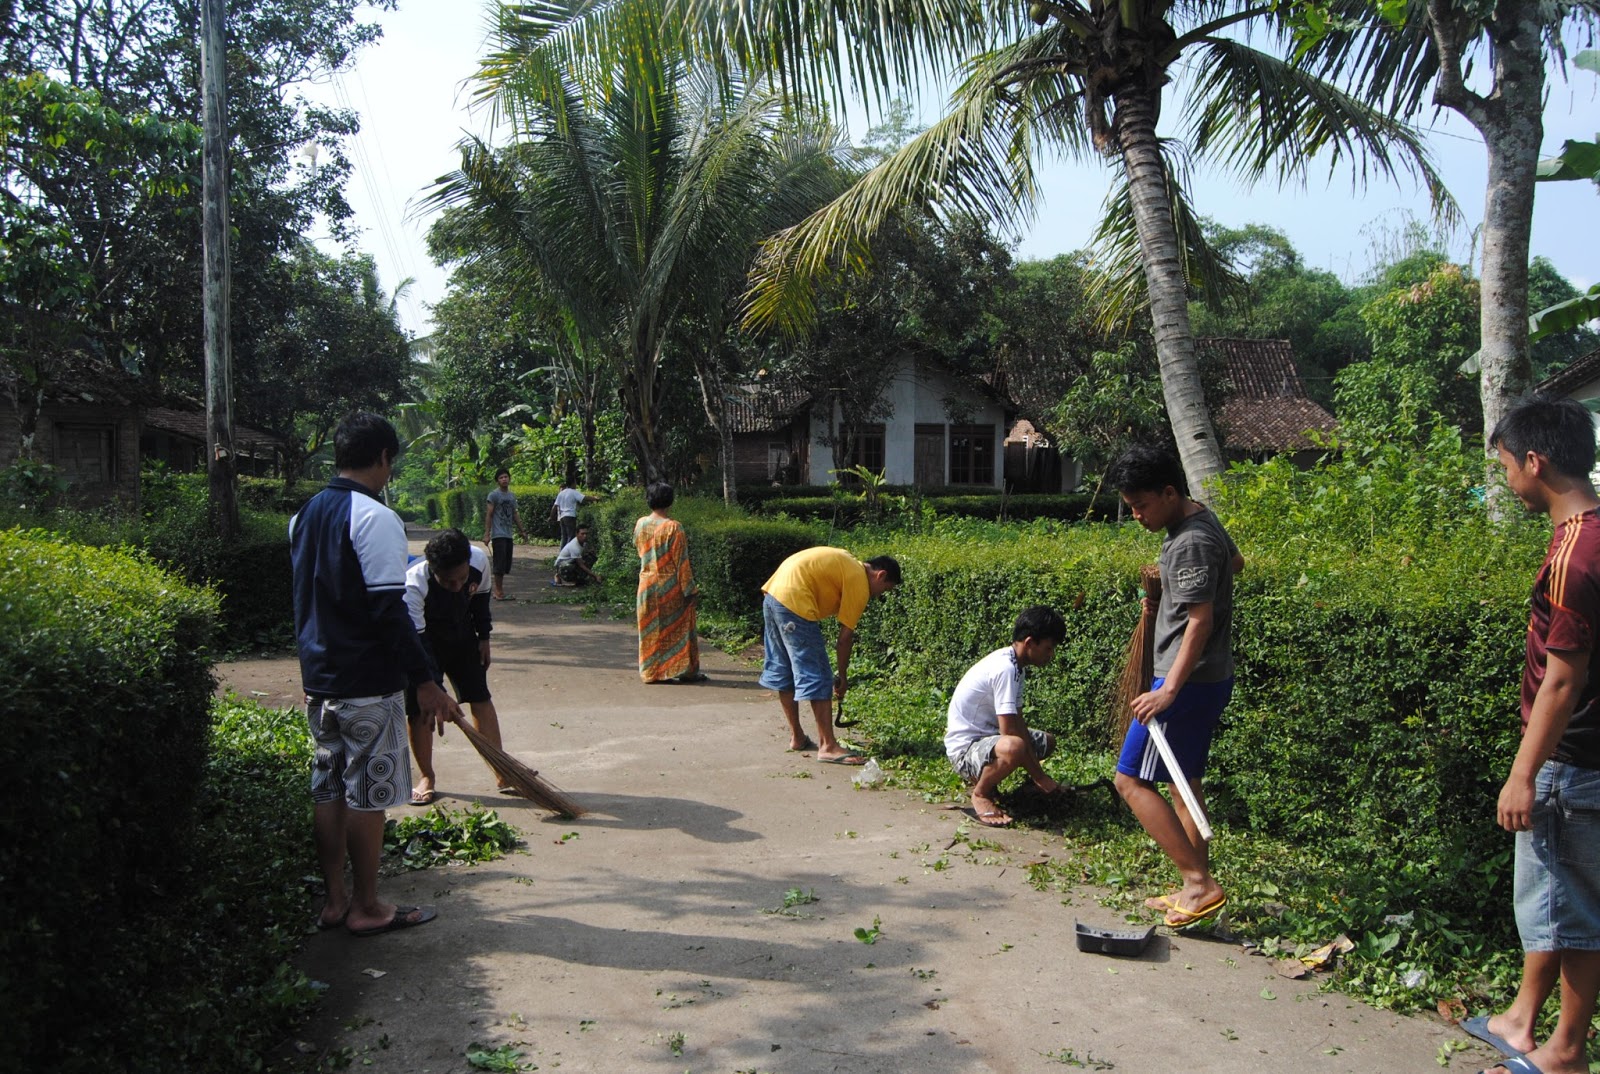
x=1179 y=918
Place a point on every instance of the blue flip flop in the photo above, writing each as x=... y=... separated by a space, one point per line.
x=1479 y=1027
x=1517 y=1064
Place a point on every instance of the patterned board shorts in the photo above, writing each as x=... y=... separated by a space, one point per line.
x=361 y=753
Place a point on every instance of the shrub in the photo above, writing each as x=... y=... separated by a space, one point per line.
x=464 y=508
x=104 y=659
x=845 y=510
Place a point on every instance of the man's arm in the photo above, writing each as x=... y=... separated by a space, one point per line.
x=1565 y=675
x=841 y=677
x=488 y=523
x=1195 y=635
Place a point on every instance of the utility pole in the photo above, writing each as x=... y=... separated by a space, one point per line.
x=220 y=466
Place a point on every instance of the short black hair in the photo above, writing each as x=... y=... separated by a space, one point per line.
x=361 y=440
x=658 y=496
x=1039 y=622
x=887 y=564
x=1147 y=468
x=501 y=471
x=447 y=550
x=1554 y=426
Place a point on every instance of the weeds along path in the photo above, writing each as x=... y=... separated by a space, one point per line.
x=704 y=916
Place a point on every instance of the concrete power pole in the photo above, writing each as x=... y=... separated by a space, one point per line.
x=220 y=466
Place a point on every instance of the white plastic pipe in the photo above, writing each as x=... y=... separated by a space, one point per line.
x=1179 y=780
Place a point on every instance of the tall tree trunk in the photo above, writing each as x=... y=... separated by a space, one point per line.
x=638 y=410
x=1511 y=120
x=713 y=397
x=1198 y=447
x=221 y=463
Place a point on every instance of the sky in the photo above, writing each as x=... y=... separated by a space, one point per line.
x=413 y=91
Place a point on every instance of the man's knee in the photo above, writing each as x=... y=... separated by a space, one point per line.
x=1128 y=786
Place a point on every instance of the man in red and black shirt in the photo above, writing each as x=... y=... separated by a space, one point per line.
x=1551 y=799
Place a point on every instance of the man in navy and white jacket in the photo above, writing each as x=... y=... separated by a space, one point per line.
x=358 y=653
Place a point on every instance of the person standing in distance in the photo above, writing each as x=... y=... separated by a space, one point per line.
x=565 y=508
x=358 y=653
x=499 y=519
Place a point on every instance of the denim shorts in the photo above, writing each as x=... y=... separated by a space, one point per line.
x=1557 y=896
x=362 y=755
x=970 y=762
x=1189 y=724
x=796 y=654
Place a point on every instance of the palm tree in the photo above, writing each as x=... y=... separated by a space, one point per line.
x=1394 y=60
x=633 y=191
x=1088 y=77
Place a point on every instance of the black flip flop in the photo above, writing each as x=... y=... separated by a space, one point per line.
x=401 y=920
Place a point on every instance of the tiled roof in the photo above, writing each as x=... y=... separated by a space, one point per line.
x=1267 y=408
x=757 y=408
x=1581 y=371
x=191 y=424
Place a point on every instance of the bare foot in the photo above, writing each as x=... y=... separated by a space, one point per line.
x=801 y=745
x=1162 y=903
x=989 y=812
x=1519 y=1037
x=333 y=914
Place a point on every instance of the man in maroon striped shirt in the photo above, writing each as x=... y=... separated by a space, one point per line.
x=1551 y=799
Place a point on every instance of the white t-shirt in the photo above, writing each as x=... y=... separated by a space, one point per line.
x=571 y=552
x=990 y=687
x=567 y=501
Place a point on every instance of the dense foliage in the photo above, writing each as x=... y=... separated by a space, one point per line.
x=1379 y=627
x=106 y=664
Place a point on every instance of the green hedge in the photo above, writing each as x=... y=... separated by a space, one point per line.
x=464 y=509
x=846 y=511
x=1375 y=700
x=104 y=660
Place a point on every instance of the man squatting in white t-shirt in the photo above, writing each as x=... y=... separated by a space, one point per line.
x=984 y=736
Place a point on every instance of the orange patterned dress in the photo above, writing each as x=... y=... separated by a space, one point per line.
x=668 y=646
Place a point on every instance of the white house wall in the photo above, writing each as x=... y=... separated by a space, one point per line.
x=917 y=394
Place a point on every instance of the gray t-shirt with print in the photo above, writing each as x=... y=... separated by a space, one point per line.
x=1196 y=568
x=505 y=513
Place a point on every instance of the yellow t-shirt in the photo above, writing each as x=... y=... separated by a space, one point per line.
x=821 y=582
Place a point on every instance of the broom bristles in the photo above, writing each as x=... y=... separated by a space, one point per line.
x=1138 y=664
x=541 y=792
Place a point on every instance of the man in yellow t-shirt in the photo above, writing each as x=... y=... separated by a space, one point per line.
x=808 y=587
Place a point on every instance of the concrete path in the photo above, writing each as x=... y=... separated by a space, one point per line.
x=640 y=938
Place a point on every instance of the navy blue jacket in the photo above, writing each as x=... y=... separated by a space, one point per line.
x=354 y=633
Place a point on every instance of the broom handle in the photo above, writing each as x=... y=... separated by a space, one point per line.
x=1179 y=780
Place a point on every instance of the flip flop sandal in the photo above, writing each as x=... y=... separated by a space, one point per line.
x=402 y=919
x=1179 y=918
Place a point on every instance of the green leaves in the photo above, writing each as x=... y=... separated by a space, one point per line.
x=449 y=837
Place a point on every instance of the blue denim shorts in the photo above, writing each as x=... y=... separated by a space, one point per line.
x=1557 y=896
x=796 y=654
x=1189 y=725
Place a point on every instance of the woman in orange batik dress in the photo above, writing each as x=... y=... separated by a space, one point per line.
x=669 y=650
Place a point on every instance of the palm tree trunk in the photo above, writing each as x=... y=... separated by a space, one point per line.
x=1511 y=120
x=1198 y=447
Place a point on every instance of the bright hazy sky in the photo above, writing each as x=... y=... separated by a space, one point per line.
x=412 y=91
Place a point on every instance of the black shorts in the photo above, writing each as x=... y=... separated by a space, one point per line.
x=463 y=666
x=502 y=555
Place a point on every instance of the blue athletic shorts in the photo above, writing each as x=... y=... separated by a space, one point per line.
x=1557 y=891
x=1189 y=724
x=796 y=656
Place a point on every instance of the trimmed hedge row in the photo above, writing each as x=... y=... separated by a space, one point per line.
x=848 y=511
x=104 y=660
x=1376 y=698
x=464 y=508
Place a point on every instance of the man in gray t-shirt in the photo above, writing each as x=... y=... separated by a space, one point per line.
x=499 y=521
x=1193 y=672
